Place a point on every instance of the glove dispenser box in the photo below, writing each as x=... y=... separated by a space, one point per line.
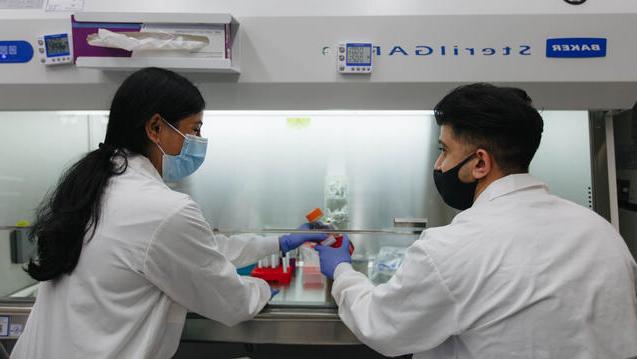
x=129 y=41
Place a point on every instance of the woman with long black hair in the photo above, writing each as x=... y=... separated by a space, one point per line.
x=120 y=256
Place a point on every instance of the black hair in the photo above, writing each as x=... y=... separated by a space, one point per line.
x=68 y=217
x=501 y=120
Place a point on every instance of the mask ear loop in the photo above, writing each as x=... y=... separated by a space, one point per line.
x=469 y=158
x=173 y=127
x=161 y=149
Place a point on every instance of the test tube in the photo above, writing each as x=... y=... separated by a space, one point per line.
x=286 y=264
x=274 y=261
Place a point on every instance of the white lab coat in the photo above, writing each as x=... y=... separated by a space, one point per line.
x=153 y=257
x=521 y=274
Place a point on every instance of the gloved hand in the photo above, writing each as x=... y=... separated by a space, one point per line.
x=331 y=257
x=289 y=242
x=316 y=225
x=273 y=292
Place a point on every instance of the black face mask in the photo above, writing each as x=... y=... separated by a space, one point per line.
x=454 y=192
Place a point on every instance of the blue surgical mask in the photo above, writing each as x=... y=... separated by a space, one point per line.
x=189 y=159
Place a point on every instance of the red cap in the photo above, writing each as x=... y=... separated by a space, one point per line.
x=314 y=215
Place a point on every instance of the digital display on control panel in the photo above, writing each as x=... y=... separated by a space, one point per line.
x=57 y=46
x=359 y=55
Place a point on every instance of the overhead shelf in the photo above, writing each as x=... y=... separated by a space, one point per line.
x=135 y=63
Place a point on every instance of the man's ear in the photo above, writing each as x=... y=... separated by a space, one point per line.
x=485 y=164
x=153 y=128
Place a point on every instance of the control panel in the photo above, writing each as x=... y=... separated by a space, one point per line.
x=55 y=49
x=354 y=58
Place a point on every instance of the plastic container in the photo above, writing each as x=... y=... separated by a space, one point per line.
x=336 y=200
x=312 y=276
x=387 y=262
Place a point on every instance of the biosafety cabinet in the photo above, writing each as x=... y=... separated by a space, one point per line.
x=312 y=108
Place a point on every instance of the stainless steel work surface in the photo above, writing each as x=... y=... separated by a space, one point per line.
x=294 y=316
x=298 y=314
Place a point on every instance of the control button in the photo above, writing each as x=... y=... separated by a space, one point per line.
x=342 y=68
x=42 y=60
x=341 y=58
x=41 y=50
x=341 y=49
x=40 y=42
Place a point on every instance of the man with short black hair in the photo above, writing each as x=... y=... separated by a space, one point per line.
x=520 y=273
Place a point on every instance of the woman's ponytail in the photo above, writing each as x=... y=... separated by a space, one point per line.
x=72 y=211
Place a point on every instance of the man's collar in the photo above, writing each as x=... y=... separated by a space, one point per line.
x=508 y=184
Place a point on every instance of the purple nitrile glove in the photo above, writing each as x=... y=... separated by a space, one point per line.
x=273 y=292
x=331 y=257
x=288 y=242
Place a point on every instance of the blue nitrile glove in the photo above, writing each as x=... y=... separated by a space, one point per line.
x=332 y=257
x=289 y=242
x=316 y=225
x=273 y=292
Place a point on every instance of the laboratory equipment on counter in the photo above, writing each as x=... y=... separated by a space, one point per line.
x=333 y=240
x=55 y=49
x=336 y=197
x=312 y=276
x=275 y=268
x=354 y=58
x=387 y=263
